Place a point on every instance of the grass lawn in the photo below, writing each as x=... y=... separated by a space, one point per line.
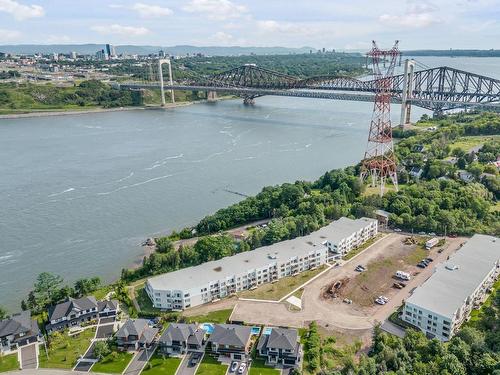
x=8 y=363
x=220 y=316
x=259 y=368
x=145 y=303
x=65 y=350
x=475 y=315
x=160 y=366
x=466 y=143
x=113 y=363
x=210 y=366
x=282 y=287
x=370 y=242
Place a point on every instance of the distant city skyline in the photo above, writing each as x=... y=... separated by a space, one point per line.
x=317 y=23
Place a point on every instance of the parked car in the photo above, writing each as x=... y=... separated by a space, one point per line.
x=440 y=250
x=425 y=261
x=397 y=286
x=429 y=260
x=234 y=367
x=195 y=357
x=242 y=368
x=347 y=300
x=397 y=230
x=360 y=268
x=421 y=265
x=384 y=298
x=380 y=301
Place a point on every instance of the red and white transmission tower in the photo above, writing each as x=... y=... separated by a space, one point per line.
x=380 y=162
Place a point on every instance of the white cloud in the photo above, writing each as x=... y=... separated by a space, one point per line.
x=417 y=15
x=116 y=29
x=21 y=11
x=151 y=11
x=222 y=37
x=272 y=26
x=9 y=35
x=216 y=9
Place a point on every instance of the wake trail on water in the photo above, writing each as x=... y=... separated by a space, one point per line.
x=61 y=192
x=162 y=162
x=136 y=184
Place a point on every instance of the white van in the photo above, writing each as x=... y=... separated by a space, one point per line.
x=403 y=275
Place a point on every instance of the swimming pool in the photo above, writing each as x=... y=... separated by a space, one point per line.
x=255 y=330
x=208 y=327
x=267 y=331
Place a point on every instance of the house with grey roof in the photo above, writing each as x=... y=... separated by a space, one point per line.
x=230 y=341
x=18 y=330
x=181 y=338
x=108 y=308
x=72 y=312
x=135 y=334
x=280 y=347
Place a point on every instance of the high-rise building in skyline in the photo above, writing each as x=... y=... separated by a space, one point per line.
x=110 y=50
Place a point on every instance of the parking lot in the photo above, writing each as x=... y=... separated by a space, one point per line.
x=381 y=261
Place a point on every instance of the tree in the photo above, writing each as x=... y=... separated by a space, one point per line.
x=84 y=287
x=164 y=245
x=3 y=313
x=101 y=349
x=214 y=247
x=46 y=291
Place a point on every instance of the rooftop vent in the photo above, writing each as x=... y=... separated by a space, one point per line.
x=218 y=269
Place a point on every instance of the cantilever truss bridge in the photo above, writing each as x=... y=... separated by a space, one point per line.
x=436 y=89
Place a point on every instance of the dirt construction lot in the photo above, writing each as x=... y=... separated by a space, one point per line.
x=382 y=260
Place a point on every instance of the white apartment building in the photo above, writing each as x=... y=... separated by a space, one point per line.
x=210 y=281
x=440 y=305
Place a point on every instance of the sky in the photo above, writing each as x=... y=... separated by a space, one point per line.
x=339 y=24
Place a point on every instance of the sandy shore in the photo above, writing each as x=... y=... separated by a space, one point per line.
x=87 y=111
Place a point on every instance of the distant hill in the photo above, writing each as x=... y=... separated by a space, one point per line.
x=455 y=53
x=87 y=49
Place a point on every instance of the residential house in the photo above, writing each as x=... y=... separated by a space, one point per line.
x=135 y=334
x=17 y=331
x=465 y=176
x=231 y=341
x=72 y=312
x=280 y=347
x=181 y=338
x=108 y=308
x=416 y=172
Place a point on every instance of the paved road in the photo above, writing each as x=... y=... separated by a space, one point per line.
x=138 y=362
x=29 y=358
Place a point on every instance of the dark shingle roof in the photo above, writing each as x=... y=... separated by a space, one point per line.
x=189 y=333
x=18 y=323
x=230 y=334
x=283 y=338
x=63 y=309
x=112 y=305
x=133 y=327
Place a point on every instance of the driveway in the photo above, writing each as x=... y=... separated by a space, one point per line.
x=139 y=361
x=29 y=358
x=185 y=368
x=87 y=361
x=105 y=331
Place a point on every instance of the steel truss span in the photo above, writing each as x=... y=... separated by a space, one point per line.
x=436 y=89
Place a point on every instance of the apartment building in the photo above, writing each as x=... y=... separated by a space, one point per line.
x=440 y=305
x=217 y=279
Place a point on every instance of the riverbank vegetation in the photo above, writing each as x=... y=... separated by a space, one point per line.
x=436 y=200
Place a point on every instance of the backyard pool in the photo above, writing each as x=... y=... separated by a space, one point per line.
x=208 y=327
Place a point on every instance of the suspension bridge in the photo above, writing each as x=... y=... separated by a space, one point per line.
x=436 y=89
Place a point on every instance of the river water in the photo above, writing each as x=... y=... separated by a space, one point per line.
x=78 y=194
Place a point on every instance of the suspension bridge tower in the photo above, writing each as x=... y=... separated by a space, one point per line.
x=379 y=162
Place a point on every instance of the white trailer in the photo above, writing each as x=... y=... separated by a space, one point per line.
x=431 y=243
x=403 y=275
